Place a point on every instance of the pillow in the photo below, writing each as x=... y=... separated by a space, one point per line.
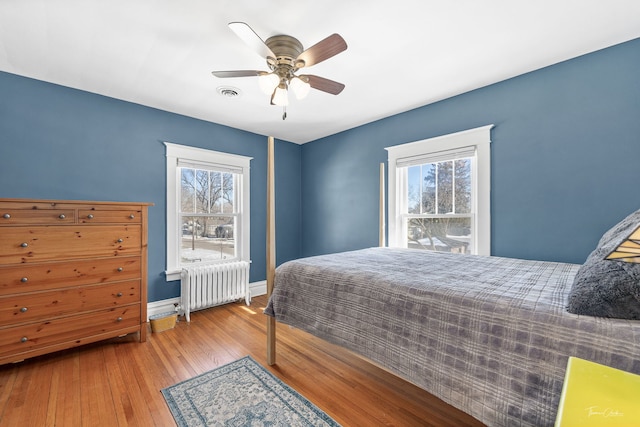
x=607 y=288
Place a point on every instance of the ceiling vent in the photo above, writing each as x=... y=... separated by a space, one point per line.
x=228 y=91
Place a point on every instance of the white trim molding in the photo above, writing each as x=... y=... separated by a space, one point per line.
x=176 y=153
x=477 y=138
x=258 y=288
x=162 y=306
x=170 y=304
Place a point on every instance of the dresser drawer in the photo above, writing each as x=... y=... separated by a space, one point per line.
x=54 y=275
x=73 y=329
x=96 y=216
x=36 y=216
x=36 y=244
x=24 y=308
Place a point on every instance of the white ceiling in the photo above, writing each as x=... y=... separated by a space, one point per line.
x=402 y=54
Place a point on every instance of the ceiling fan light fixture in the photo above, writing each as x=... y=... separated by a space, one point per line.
x=280 y=96
x=268 y=82
x=300 y=87
x=285 y=55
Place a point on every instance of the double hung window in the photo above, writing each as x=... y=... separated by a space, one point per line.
x=208 y=213
x=207 y=207
x=439 y=210
x=439 y=193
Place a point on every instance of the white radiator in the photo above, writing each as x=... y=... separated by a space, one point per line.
x=206 y=286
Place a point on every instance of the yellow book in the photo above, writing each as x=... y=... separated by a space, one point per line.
x=598 y=395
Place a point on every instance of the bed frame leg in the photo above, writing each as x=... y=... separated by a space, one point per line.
x=271 y=341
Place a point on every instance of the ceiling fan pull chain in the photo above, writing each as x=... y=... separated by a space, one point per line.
x=284 y=113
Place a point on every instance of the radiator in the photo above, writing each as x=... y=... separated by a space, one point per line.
x=206 y=286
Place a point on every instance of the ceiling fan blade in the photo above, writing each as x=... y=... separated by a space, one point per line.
x=237 y=73
x=325 y=85
x=250 y=37
x=325 y=49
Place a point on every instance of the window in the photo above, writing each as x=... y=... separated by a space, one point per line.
x=439 y=193
x=207 y=214
x=439 y=205
x=207 y=207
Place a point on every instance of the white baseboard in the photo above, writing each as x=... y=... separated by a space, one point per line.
x=162 y=306
x=258 y=288
x=169 y=305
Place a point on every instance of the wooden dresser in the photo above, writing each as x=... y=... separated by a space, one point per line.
x=71 y=273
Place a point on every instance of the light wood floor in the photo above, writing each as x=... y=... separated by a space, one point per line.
x=118 y=382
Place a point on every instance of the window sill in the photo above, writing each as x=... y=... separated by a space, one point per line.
x=172 y=275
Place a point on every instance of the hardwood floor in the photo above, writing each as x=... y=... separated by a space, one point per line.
x=118 y=382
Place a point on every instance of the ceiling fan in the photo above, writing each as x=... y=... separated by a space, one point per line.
x=285 y=56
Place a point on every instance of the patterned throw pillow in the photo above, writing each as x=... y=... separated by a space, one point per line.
x=608 y=288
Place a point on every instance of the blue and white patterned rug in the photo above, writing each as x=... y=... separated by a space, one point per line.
x=241 y=393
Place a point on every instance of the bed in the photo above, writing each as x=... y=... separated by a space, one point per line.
x=488 y=335
x=492 y=340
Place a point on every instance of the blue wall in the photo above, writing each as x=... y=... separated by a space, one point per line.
x=565 y=157
x=61 y=143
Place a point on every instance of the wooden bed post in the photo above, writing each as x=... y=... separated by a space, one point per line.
x=271 y=249
x=381 y=240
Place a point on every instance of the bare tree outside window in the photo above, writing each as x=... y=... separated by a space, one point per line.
x=439 y=206
x=207 y=215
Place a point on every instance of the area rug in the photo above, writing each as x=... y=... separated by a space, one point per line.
x=241 y=393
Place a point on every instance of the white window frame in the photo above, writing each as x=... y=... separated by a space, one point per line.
x=211 y=159
x=478 y=138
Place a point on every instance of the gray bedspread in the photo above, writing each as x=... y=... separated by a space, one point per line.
x=489 y=335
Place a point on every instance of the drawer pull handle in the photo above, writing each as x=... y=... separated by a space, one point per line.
x=24 y=244
x=119 y=240
x=132 y=216
x=62 y=216
x=119 y=319
x=120 y=269
x=24 y=280
x=6 y=216
x=24 y=339
x=23 y=310
x=90 y=216
x=119 y=294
